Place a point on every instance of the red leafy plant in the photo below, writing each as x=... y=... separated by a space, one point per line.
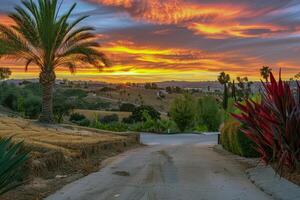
x=274 y=124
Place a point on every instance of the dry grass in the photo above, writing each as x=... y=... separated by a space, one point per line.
x=91 y=114
x=60 y=150
x=63 y=144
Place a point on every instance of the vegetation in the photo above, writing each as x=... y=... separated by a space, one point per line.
x=265 y=72
x=209 y=114
x=11 y=161
x=138 y=114
x=224 y=79
x=4 y=73
x=235 y=141
x=183 y=111
x=127 y=107
x=273 y=124
x=44 y=37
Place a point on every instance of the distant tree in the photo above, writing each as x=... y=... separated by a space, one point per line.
x=4 y=73
x=297 y=76
x=183 y=111
x=138 y=114
x=265 y=72
x=244 y=88
x=223 y=79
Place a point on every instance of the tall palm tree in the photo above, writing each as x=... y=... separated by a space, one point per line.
x=265 y=72
x=223 y=79
x=44 y=37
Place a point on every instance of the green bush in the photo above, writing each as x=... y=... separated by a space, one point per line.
x=183 y=111
x=83 y=122
x=32 y=107
x=210 y=114
x=76 y=117
x=114 y=126
x=235 y=141
x=138 y=114
x=109 y=119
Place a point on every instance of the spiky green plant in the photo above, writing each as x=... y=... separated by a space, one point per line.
x=45 y=37
x=11 y=159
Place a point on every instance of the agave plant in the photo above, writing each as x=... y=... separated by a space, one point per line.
x=274 y=123
x=10 y=162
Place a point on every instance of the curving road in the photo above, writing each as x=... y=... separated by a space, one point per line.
x=171 y=167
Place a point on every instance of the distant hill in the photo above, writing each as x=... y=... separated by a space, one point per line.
x=187 y=84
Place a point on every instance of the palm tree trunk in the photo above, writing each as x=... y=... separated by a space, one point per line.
x=47 y=103
x=47 y=80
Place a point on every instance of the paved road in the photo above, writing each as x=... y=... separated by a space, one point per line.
x=171 y=167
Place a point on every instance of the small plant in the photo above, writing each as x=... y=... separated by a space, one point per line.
x=11 y=160
x=274 y=124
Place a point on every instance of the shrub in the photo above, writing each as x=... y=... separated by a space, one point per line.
x=127 y=107
x=139 y=116
x=210 y=114
x=11 y=160
x=273 y=124
x=76 y=117
x=114 y=126
x=182 y=111
x=61 y=109
x=83 y=122
x=32 y=107
x=9 y=99
x=109 y=119
x=235 y=141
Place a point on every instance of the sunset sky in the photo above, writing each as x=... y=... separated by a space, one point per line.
x=192 y=40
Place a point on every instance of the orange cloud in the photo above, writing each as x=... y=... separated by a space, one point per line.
x=171 y=11
x=221 y=31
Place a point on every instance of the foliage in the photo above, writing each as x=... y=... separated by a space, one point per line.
x=223 y=79
x=183 y=112
x=79 y=119
x=11 y=160
x=44 y=37
x=76 y=117
x=4 y=73
x=151 y=86
x=209 y=115
x=235 y=141
x=127 y=107
x=32 y=107
x=273 y=124
x=139 y=116
x=114 y=126
x=265 y=72
x=109 y=119
x=79 y=93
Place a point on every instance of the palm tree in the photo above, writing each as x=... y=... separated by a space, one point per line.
x=44 y=37
x=223 y=79
x=4 y=73
x=265 y=72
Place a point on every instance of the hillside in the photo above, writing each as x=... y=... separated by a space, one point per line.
x=60 y=151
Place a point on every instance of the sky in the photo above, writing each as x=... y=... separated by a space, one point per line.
x=186 y=40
